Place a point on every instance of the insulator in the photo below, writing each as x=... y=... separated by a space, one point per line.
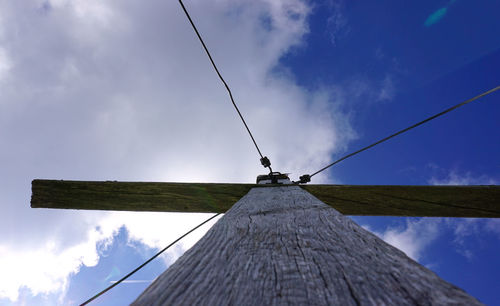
x=265 y=162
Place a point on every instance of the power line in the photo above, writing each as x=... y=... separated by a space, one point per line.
x=264 y=160
x=306 y=177
x=149 y=260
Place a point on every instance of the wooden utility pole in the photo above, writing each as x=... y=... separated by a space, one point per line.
x=281 y=245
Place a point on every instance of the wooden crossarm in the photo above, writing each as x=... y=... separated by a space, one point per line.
x=411 y=201
x=136 y=196
x=437 y=201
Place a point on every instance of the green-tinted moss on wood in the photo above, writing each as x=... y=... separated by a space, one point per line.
x=423 y=201
x=136 y=196
x=442 y=201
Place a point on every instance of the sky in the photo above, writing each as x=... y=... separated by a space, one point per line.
x=122 y=90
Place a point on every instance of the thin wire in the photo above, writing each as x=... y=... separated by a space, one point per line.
x=409 y=128
x=149 y=260
x=222 y=79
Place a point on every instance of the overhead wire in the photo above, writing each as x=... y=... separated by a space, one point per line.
x=147 y=261
x=263 y=159
x=306 y=177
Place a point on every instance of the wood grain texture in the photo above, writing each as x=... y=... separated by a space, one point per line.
x=282 y=246
x=136 y=196
x=442 y=201
x=422 y=201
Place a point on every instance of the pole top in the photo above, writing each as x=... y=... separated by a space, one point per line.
x=274 y=178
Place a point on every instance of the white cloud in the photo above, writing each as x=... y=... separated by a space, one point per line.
x=367 y=91
x=468 y=232
x=5 y=64
x=337 y=22
x=465 y=230
x=467 y=178
x=157 y=230
x=122 y=90
x=414 y=238
x=45 y=267
x=387 y=89
x=493 y=225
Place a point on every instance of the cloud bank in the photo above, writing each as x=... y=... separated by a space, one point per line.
x=455 y=177
x=121 y=90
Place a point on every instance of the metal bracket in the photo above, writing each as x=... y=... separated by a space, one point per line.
x=304 y=179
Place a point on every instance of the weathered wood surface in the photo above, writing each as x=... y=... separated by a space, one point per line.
x=282 y=246
x=136 y=196
x=436 y=201
x=423 y=201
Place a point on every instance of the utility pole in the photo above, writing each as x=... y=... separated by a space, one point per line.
x=281 y=245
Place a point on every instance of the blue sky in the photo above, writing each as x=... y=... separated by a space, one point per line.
x=430 y=68
x=123 y=91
